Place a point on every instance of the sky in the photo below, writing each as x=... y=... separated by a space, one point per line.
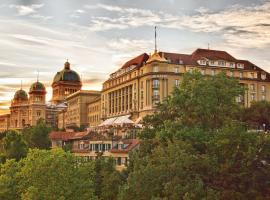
x=98 y=36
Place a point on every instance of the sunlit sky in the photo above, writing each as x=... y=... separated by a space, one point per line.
x=98 y=36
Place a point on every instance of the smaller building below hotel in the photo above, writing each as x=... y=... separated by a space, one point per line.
x=89 y=145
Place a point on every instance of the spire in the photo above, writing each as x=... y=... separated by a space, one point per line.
x=155 y=39
x=155 y=56
x=208 y=46
x=21 y=84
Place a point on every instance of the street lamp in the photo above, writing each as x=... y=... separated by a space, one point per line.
x=264 y=126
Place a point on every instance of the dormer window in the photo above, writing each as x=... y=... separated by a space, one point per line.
x=221 y=63
x=212 y=63
x=202 y=62
x=263 y=76
x=240 y=65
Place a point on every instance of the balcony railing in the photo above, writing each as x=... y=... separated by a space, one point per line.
x=155 y=86
x=156 y=97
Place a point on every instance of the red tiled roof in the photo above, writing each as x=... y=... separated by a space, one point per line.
x=67 y=135
x=212 y=55
x=138 y=61
x=132 y=143
x=209 y=54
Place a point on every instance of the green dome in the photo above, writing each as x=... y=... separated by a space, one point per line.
x=21 y=95
x=37 y=87
x=67 y=75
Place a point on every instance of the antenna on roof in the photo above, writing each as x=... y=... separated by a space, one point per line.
x=155 y=39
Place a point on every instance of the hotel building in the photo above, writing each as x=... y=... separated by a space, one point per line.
x=142 y=82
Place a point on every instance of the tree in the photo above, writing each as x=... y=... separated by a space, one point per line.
x=257 y=115
x=38 y=136
x=204 y=102
x=195 y=147
x=107 y=179
x=8 y=180
x=55 y=174
x=14 y=145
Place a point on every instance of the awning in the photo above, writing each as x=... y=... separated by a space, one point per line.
x=108 y=122
x=117 y=121
x=123 y=120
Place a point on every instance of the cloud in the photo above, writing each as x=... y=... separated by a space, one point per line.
x=77 y=13
x=237 y=25
x=23 y=10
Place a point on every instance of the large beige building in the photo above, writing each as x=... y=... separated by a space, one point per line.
x=93 y=112
x=142 y=82
x=4 y=122
x=77 y=108
x=26 y=111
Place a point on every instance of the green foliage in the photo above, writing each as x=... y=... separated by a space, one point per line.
x=194 y=147
x=8 y=180
x=204 y=102
x=14 y=145
x=38 y=136
x=55 y=174
x=257 y=115
x=46 y=175
x=107 y=179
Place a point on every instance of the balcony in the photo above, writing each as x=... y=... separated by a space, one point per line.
x=155 y=86
x=155 y=97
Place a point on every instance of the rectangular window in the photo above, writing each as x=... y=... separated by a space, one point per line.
x=155 y=68
x=263 y=88
x=176 y=70
x=252 y=87
x=177 y=82
x=241 y=75
x=263 y=97
x=155 y=83
x=156 y=92
x=221 y=63
x=253 y=97
x=213 y=72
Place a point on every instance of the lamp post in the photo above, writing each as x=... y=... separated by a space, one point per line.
x=264 y=126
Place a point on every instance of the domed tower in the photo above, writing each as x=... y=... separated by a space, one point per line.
x=37 y=103
x=65 y=83
x=37 y=93
x=19 y=114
